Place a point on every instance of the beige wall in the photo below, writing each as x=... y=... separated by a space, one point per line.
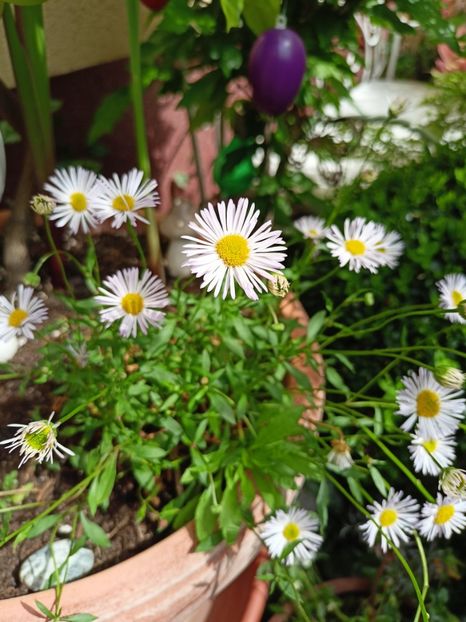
x=80 y=33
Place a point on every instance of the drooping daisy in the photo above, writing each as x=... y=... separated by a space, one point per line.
x=340 y=454
x=75 y=191
x=358 y=245
x=122 y=197
x=311 y=227
x=431 y=454
x=134 y=300
x=443 y=518
x=228 y=251
x=296 y=525
x=36 y=440
x=453 y=483
x=394 y=517
x=435 y=409
x=450 y=377
x=390 y=248
x=452 y=290
x=20 y=315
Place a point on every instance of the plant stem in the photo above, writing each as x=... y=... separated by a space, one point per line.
x=135 y=239
x=57 y=254
x=92 y=246
x=152 y=232
x=425 y=574
x=399 y=464
x=319 y=281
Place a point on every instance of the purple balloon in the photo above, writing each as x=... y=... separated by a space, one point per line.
x=276 y=67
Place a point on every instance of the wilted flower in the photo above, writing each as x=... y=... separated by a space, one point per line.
x=453 y=483
x=450 y=377
x=42 y=204
x=340 y=454
x=278 y=285
x=36 y=440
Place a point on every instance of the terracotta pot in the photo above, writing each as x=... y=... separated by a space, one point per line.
x=170 y=582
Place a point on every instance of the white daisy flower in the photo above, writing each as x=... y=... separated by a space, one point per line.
x=296 y=525
x=75 y=191
x=452 y=290
x=431 y=454
x=36 y=440
x=394 y=517
x=230 y=252
x=435 y=409
x=359 y=244
x=311 y=227
x=443 y=518
x=390 y=247
x=340 y=454
x=122 y=197
x=134 y=300
x=20 y=315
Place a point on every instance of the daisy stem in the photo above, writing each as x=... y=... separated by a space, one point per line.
x=92 y=247
x=23 y=506
x=400 y=556
x=137 y=91
x=417 y=483
x=57 y=254
x=312 y=284
x=425 y=574
x=11 y=376
x=134 y=237
x=81 y=407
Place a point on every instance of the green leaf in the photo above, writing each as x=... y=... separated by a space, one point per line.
x=232 y=10
x=315 y=325
x=43 y=524
x=322 y=501
x=102 y=485
x=206 y=519
x=108 y=114
x=378 y=480
x=221 y=404
x=148 y=452
x=80 y=617
x=94 y=532
x=336 y=380
x=261 y=15
x=43 y=609
x=355 y=490
x=230 y=517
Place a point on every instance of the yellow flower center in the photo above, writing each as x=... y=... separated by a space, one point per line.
x=430 y=446
x=444 y=514
x=313 y=233
x=123 y=203
x=233 y=250
x=388 y=517
x=355 y=247
x=78 y=201
x=291 y=532
x=132 y=304
x=428 y=404
x=457 y=297
x=38 y=440
x=17 y=317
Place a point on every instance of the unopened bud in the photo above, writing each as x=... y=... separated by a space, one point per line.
x=453 y=483
x=369 y=299
x=278 y=285
x=397 y=106
x=449 y=377
x=42 y=204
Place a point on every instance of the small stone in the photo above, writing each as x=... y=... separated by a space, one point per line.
x=64 y=530
x=37 y=571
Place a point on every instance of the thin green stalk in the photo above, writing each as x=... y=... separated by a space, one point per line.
x=135 y=239
x=11 y=376
x=136 y=87
x=417 y=483
x=401 y=558
x=57 y=254
x=23 y=506
x=92 y=246
x=319 y=281
x=425 y=574
x=81 y=407
x=197 y=160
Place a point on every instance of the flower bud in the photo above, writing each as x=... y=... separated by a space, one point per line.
x=278 y=285
x=42 y=204
x=453 y=483
x=340 y=454
x=449 y=377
